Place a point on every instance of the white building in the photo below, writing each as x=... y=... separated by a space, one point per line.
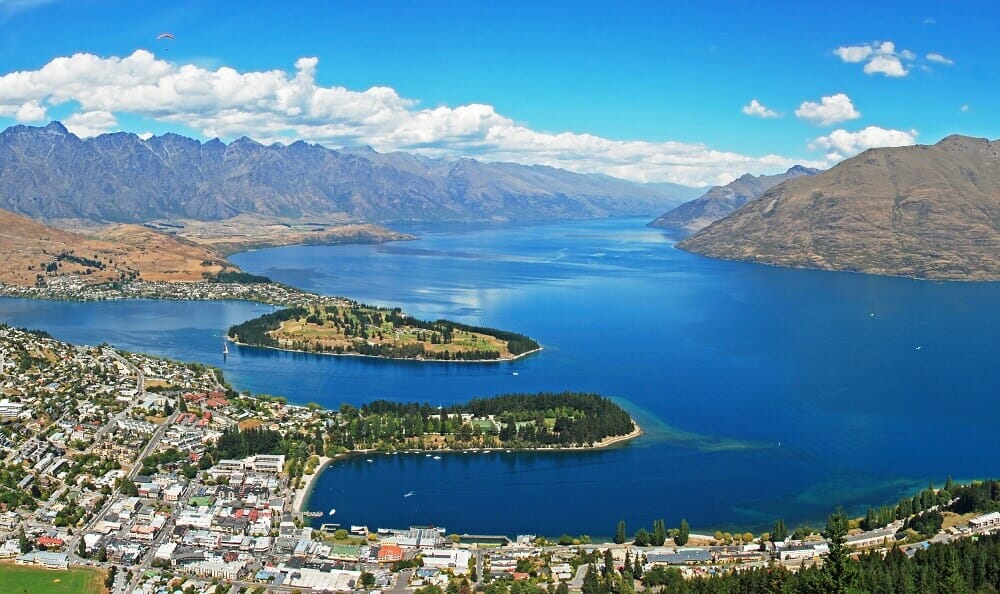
x=985 y=521
x=264 y=463
x=455 y=559
x=10 y=410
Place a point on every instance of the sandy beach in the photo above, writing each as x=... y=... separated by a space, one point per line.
x=302 y=494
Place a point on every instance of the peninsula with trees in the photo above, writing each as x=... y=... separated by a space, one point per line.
x=353 y=329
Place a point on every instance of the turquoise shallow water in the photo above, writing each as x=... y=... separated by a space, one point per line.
x=765 y=392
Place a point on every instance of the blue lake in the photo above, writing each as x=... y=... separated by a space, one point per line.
x=764 y=392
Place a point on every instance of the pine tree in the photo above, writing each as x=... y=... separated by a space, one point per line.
x=590 y=583
x=685 y=531
x=659 y=533
x=780 y=532
x=836 y=565
x=609 y=563
x=23 y=541
x=620 y=532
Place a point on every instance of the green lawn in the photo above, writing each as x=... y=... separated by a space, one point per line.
x=18 y=579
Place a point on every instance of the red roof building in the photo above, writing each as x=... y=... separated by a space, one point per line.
x=389 y=553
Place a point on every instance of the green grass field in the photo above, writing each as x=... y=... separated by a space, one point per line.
x=19 y=579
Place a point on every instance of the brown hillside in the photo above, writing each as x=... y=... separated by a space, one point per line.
x=922 y=211
x=31 y=249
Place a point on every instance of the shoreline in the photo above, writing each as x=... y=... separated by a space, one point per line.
x=302 y=494
x=414 y=359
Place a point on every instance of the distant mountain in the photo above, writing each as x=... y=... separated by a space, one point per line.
x=49 y=173
x=922 y=211
x=721 y=201
x=36 y=253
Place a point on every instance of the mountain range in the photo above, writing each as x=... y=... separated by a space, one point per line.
x=720 y=201
x=922 y=211
x=50 y=174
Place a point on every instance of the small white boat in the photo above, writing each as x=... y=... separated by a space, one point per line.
x=507 y=451
x=409 y=494
x=369 y=460
x=427 y=455
x=515 y=373
x=333 y=511
x=225 y=348
x=437 y=457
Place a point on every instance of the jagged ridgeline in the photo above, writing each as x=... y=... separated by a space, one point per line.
x=379 y=332
x=513 y=420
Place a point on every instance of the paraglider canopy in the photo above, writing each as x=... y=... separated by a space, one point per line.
x=164 y=36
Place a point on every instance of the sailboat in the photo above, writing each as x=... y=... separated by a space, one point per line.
x=225 y=348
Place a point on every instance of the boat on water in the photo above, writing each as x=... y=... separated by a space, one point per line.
x=437 y=457
x=359 y=529
x=313 y=514
x=333 y=511
x=427 y=455
x=225 y=348
x=408 y=494
x=369 y=460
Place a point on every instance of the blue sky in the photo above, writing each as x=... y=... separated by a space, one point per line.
x=649 y=91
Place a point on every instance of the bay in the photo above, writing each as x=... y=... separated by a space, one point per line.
x=764 y=392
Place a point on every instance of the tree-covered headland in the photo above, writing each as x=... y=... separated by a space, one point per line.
x=378 y=332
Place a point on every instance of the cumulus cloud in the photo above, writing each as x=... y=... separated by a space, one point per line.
x=853 y=54
x=841 y=144
x=32 y=111
x=279 y=105
x=880 y=57
x=90 y=123
x=830 y=110
x=28 y=112
x=888 y=65
x=755 y=108
x=939 y=59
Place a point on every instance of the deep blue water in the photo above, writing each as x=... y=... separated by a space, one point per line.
x=765 y=392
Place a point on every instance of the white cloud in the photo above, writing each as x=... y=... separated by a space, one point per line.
x=830 y=110
x=32 y=111
x=880 y=57
x=90 y=123
x=841 y=144
x=755 y=108
x=887 y=65
x=853 y=54
x=27 y=112
x=278 y=105
x=938 y=58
